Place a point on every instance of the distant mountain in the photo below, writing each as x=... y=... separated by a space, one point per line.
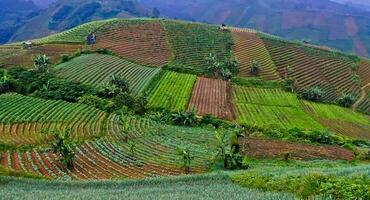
x=43 y=3
x=65 y=14
x=317 y=21
x=13 y=14
x=361 y=4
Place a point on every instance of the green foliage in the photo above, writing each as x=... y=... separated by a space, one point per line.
x=193 y=42
x=255 y=82
x=312 y=94
x=218 y=68
x=172 y=91
x=185 y=118
x=186 y=157
x=97 y=102
x=41 y=63
x=309 y=185
x=346 y=100
x=65 y=147
x=255 y=68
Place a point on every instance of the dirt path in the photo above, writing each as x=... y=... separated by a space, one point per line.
x=362 y=97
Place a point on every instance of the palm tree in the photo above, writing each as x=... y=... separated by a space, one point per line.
x=65 y=147
x=222 y=146
x=185 y=154
x=41 y=63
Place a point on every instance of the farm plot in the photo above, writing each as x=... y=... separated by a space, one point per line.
x=95 y=69
x=143 y=43
x=75 y=35
x=309 y=69
x=191 y=43
x=28 y=121
x=156 y=144
x=250 y=48
x=266 y=148
x=256 y=106
x=11 y=56
x=171 y=91
x=211 y=96
x=340 y=120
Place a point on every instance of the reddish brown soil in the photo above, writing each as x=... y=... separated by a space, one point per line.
x=364 y=72
x=24 y=57
x=143 y=43
x=273 y=148
x=210 y=96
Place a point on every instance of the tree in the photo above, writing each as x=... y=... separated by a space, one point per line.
x=255 y=68
x=312 y=94
x=222 y=145
x=5 y=82
x=185 y=118
x=155 y=13
x=41 y=63
x=346 y=100
x=65 y=147
x=120 y=82
x=185 y=154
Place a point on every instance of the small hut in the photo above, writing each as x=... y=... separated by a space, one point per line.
x=27 y=44
x=90 y=39
x=223 y=27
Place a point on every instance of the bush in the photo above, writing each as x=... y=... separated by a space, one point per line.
x=346 y=100
x=312 y=94
x=255 y=68
x=184 y=118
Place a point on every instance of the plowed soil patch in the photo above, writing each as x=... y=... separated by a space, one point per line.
x=210 y=96
x=273 y=148
x=143 y=43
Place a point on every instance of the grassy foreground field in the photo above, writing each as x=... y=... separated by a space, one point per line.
x=192 y=187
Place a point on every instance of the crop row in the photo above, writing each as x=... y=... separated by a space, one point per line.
x=248 y=49
x=95 y=69
x=340 y=120
x=211 y=96
x=191 y=43
x=157 y=143
x=143 y=43
x=27 y=120
x=172 y=91
x=16 y=56
x=270 y=107
x=333 y=75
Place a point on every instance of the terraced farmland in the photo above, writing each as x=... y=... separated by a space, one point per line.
x=143 y=43
x=333 y=75
x=171 y=91
x=28 y=121
x=95 y=69
x=75 y=35
x=265 y=148
x=212 y=96
x=363 y=104
x=340 y=120
x=257 y=106
x=250 y=48
x=191 y=43
x=15 y=56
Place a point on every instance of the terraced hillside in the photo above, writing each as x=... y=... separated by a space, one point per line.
x=249 y=49
x=314 y=68
x=172 y=91
x=96 y=69
x=141 y=42
x=261 y=107
x=16 y=56
x=149 y=131
x=211 y=96
x=29 y=121
x=192 y=42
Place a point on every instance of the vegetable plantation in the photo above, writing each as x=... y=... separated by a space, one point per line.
x=96 y=69
x=172 y=91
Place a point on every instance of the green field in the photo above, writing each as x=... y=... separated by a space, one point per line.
x=261 y=107
x=171 y=91
x=95 y=69
x=27 y=120
x=191 y=43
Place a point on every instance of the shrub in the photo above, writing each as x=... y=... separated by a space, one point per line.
x=312 y=94
x=346 y=100
x=41 y=63
x=255 y=68
x=184 y=118
x=65 y=147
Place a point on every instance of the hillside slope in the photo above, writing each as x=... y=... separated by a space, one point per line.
x=318 y=21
